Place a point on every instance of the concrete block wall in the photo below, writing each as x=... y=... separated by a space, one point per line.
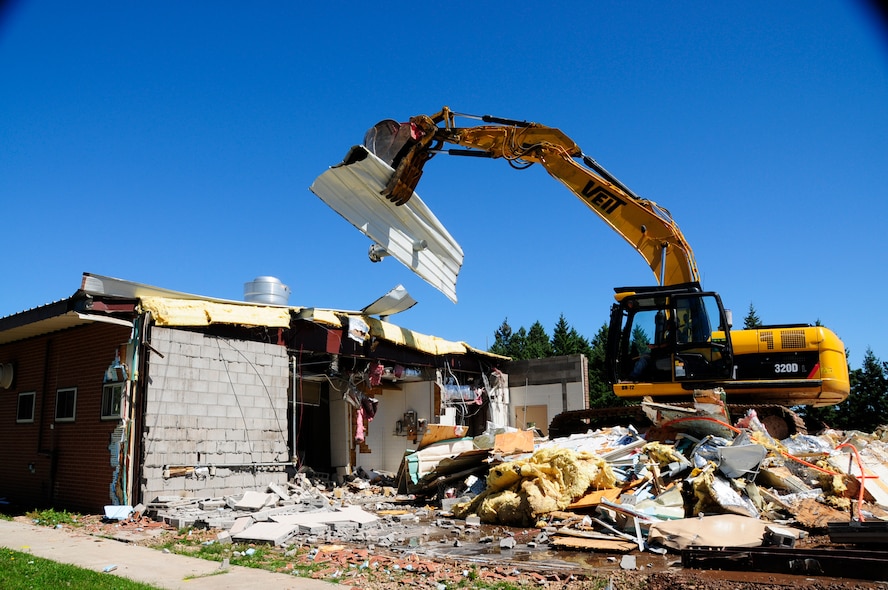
x=218 y=405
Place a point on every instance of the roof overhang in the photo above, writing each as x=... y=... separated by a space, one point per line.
x=53 y=317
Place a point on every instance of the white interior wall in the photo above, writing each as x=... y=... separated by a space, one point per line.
x=549 y=395
x=340 y=434
x=388 y=447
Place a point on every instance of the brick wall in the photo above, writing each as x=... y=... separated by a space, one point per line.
x=60 y=464
x=216 y=404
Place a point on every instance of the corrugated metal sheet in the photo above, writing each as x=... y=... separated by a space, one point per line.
x=410 y=233
x=94 y=284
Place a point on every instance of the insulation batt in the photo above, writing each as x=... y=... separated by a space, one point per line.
x=518 y=492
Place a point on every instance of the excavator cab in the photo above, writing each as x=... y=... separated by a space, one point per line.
x=674 y=334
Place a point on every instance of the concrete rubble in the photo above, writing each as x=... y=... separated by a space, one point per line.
x=696 y=484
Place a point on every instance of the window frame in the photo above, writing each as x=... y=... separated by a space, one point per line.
x=73 y=416
x=107 y=388
x=18 y=405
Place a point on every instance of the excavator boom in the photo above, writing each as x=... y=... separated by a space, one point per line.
x=646 y=226
x=664 y=341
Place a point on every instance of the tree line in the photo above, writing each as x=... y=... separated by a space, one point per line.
x=865 y=409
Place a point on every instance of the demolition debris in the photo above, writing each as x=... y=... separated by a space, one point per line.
x=712 y=491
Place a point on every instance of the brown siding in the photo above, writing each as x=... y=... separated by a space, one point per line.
x=71 y=460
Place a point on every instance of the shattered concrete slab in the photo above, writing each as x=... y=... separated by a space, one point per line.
x=274 y=533
x=255 y=501
x=280 y=491
x=241 y=524
x=354 y=514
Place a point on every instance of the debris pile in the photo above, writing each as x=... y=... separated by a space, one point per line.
x=694 y=480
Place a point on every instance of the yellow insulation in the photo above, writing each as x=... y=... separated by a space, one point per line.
x=518 y=492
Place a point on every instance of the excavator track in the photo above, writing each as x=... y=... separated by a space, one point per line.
x=780 y=421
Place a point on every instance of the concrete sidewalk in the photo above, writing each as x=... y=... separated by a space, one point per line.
x=151 y=566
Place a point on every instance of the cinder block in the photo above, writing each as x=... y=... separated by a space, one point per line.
x=196 y=386
x=191 y=350
x=211 y=504
x=345 y=526
x=247 y=379
x=228 y=354
x=179 y=522
x=220 y=522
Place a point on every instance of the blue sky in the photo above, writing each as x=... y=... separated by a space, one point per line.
x=173 y=144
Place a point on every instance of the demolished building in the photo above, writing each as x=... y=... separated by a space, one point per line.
x=124 y=392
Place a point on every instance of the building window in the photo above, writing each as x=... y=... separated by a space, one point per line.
x=111 y=396
x=25 y=412
x=308 y=393
x=66 y=401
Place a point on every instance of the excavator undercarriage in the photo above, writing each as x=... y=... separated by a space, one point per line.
x=780 y=421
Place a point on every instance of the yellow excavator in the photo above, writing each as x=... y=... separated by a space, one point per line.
x=664 y=341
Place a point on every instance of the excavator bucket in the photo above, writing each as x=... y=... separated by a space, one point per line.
x=388 y=138
x=404 y=228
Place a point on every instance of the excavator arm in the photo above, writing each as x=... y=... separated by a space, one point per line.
x=695 y=348
x=646 y=226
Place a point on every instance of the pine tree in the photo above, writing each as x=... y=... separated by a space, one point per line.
x=518 y=345
x=751 y=320
x=537 y=344
x=867 y=404
x=866 y=407
x=502 y=339
x=566 y=340
x=600 y=393
x=639 y=342
x=561 y=337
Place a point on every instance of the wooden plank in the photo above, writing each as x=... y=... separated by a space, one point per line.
x=614 y=545
x=875 y=468
x=180 y=471
x=438 y=432
x=507 y=443
x=593 y=499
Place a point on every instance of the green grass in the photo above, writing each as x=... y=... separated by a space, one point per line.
x=52 y=517
x=261 y=557
x=21 y=571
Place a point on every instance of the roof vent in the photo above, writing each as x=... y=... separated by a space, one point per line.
x=266 y=290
